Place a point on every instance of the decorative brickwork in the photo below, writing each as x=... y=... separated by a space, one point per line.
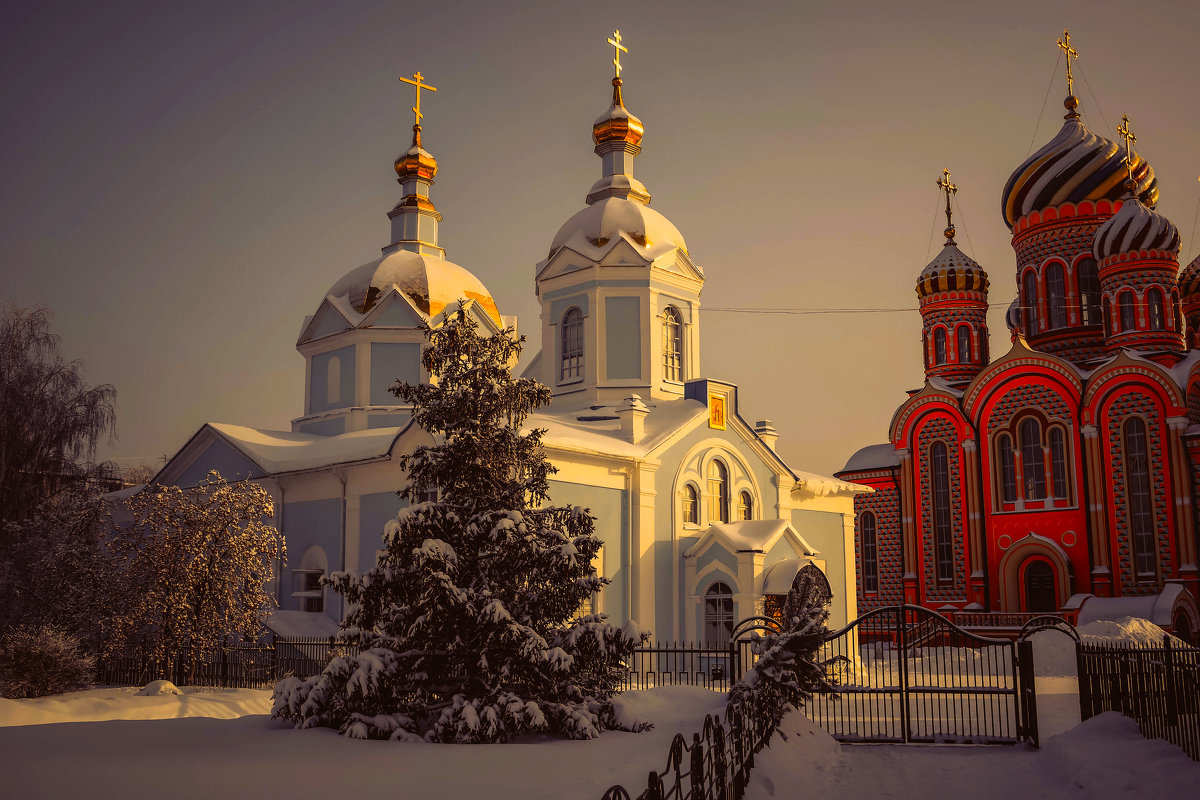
x=1126 y=406
x=1029 y=395
x=889 y=547
x=1193 y=405
x=934 y=430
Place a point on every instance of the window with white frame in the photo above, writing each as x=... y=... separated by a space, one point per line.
x=718 y=491
x=691 y=510
x=672 y=344
x=718 y=614
x=572 y=345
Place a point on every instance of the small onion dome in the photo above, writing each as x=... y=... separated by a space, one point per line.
x=416 y=162
x=1189 y=280
x=617 y=124
x=951 y=271
x=1133 y=228
x=1012 y=317
x=1074 y=166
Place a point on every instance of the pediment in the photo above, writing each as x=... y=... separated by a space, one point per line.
x=395 y=310
x=679 y=263
x=474 y=310
x=563 y=262
x=326 y=322
x=623 y=254
x=208 y=451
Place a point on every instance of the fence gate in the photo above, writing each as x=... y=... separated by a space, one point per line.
x=906 y=674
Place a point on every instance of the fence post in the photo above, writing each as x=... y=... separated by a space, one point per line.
x=1085 y=683
x=901 y=619
x=225 y=661
x=1028 y=699
x=1169 y=679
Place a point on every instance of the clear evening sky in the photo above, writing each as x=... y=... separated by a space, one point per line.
x=181 y=182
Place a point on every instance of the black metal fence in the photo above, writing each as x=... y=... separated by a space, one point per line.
x=714 y=667
x=715 y=766
x=906 y=674
x=232 y=664
x=1159 y=687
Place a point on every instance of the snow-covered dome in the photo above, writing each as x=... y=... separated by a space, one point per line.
x=1135 y=227
x=605 y=220
x=951 y=270
x=430 y=282
x=1074 y=166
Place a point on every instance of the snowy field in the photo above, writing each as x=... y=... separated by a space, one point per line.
x=205 y=743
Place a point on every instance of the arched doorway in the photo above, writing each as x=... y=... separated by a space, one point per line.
x=1038 y=586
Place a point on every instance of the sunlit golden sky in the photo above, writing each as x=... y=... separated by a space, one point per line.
x=181 y=183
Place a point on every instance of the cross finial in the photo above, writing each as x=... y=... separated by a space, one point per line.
x=416 y=82
x=618 y=48
x=949 y=188
x=1064 y=44
x=1126 y=133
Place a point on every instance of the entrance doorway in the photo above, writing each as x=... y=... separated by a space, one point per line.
x=1039 y=587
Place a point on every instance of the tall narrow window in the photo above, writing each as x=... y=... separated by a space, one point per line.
x=1056 y=296
x=939 y=347
x=1029 y=302
x=1033 y=462
x=745 y=507
x=572 y=345
x=1177 y=312
x=1008 y=469
x=1141 y=505
x=672 y=344
x=718 y=614
x=1089 y=292
x=1125 y=303
x=870 y=559
x=983 y=344
x=1154 y=302
x=691 y=514
x=1108 y=321
x=718 y=492
x=963 y=349
x=942 y=537
x=1058 y=462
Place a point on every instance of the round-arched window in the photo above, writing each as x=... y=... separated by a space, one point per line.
x=572 y=345
x=691 y=510
x=718 y=614
x=672 y=344
x=718 y=491
x=745 y=506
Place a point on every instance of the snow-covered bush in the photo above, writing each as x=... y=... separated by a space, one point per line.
x=469 y=627
x=789 y=667
x=39 y=660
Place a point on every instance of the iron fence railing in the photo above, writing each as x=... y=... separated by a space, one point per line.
x=1158 y=687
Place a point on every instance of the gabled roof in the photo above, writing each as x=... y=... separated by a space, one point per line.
x=750 y=535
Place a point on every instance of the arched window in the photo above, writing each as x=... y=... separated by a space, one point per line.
x=718 y=614
x=1089 y=292
x=745 y=509
x=942 y=537
x=1141 y=504
x=1178 y=312
x=983 y=344
x=572 y=345
x=718 y=492
x=939 y=346
x=1033 y=464
x=1008 y=469
x=963 y=351
x=1056 y=300
x=333 y=380
x=1058 y=462
x=672 y=344
x=1029 y=302
x=1154 y=302
x=691 y=510
x=870 y=559
x=1125 y=303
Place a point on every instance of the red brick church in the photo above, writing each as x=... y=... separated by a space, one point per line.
x=1062 y=476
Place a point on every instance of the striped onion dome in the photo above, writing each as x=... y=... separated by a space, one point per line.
x=1012 y=317
x=951 y=271
x=1134 y=227
x=1074 y=166
x=1189 y=279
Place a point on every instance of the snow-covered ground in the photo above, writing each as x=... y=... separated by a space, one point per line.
x=205 y=743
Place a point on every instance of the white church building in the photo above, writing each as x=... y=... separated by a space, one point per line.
x=703 y=523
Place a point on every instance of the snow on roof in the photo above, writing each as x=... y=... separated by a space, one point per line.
x=1157 y=608
x=606 y=219
x=874 y=456
x=779 y=577
x=824 y=486
x=286 y=451
x=597 y=428
x=300 y=625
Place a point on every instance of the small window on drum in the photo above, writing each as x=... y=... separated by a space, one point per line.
x=939 y=346
x=1125 y=305
x=672 y=335
x=963 y=349
x=572 y=346
x=1056 y=296
x=1154 y=302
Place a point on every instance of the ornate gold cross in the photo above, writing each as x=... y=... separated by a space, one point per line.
x=949 y=188
x=1064 y=44
x=1126 y=133
x=618 y=48
x=416 y=82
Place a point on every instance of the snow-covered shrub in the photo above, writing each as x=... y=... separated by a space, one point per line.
x=39 y=660
x=468 y=628
x=790 y=666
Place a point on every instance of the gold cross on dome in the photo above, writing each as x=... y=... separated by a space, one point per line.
x=1126 y=133
x=415 y=81
x=618 y=48
x=1064 y=44
x=949 y=188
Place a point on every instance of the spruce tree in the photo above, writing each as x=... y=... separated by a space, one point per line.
x=468 y=628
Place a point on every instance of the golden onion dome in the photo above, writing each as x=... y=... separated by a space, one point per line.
x=952 y=270
x=416 y=162
x=617 y=124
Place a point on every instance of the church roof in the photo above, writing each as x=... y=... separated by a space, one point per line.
x=287 y=451
x=590 y=231
x=1134 y=227
x=874 y=456
x=598 y=429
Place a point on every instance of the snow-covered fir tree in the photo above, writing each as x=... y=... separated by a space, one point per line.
x=469 y=627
